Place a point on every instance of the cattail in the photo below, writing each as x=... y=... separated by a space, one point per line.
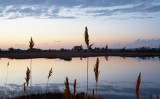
x=86 y=36
x=50 y=73
x=28 y=76
x=96 y=71
x=74 y=87
x=67 y=93
x=138 y=85
x=31 y=44
x=151 y=96
x=157 y=96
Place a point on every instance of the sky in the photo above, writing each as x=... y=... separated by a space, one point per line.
x=56 y=24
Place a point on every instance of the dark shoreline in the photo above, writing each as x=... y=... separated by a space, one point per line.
x=76 y=54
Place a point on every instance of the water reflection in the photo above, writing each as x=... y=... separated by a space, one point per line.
x=118 y=76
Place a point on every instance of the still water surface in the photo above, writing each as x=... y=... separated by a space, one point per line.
x=117 y=76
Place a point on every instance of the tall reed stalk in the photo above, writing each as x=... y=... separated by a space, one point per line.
x=49 y=75
x=96 y=71
x=138 y=85
x=31 y=44
x=67 y=93
x=6 y=79
x=86 y=37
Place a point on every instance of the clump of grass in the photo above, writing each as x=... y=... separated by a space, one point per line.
x=49 y=75
x=138 y=85
x=74 y=85
x=67 y=93
x=96 y=71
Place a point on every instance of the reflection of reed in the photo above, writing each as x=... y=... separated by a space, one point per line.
x=138 y=85
x=6 y=78
x=28 y=76
x=49 y=75
x=31 y=44
x=96 y=71
x=86 y=37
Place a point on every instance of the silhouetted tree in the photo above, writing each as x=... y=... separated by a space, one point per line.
x=11 y=49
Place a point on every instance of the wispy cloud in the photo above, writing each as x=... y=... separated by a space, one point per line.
x=71 y=9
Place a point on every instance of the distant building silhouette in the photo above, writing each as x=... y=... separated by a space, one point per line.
x=78 y=48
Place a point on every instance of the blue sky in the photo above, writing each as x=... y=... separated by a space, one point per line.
x=57 y=23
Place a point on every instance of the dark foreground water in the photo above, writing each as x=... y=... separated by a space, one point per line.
x=117 y=76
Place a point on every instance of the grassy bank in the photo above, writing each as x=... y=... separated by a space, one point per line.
x=68 y=55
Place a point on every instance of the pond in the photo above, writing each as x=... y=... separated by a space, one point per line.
x=117 y=77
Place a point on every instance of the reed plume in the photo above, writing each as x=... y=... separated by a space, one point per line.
x=31 y=44
x=138 y=85
x=67 y=93
x=74 y=93
x=86 y=38
x=96 y=71
x=28 y=76
x=49 y=75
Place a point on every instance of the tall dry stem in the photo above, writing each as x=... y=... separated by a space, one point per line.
x=31 y=44
x=157 y=96
x=138 y=85
x=86 y=37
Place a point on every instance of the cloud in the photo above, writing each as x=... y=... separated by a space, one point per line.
x=11 y=9
x=152 y=43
